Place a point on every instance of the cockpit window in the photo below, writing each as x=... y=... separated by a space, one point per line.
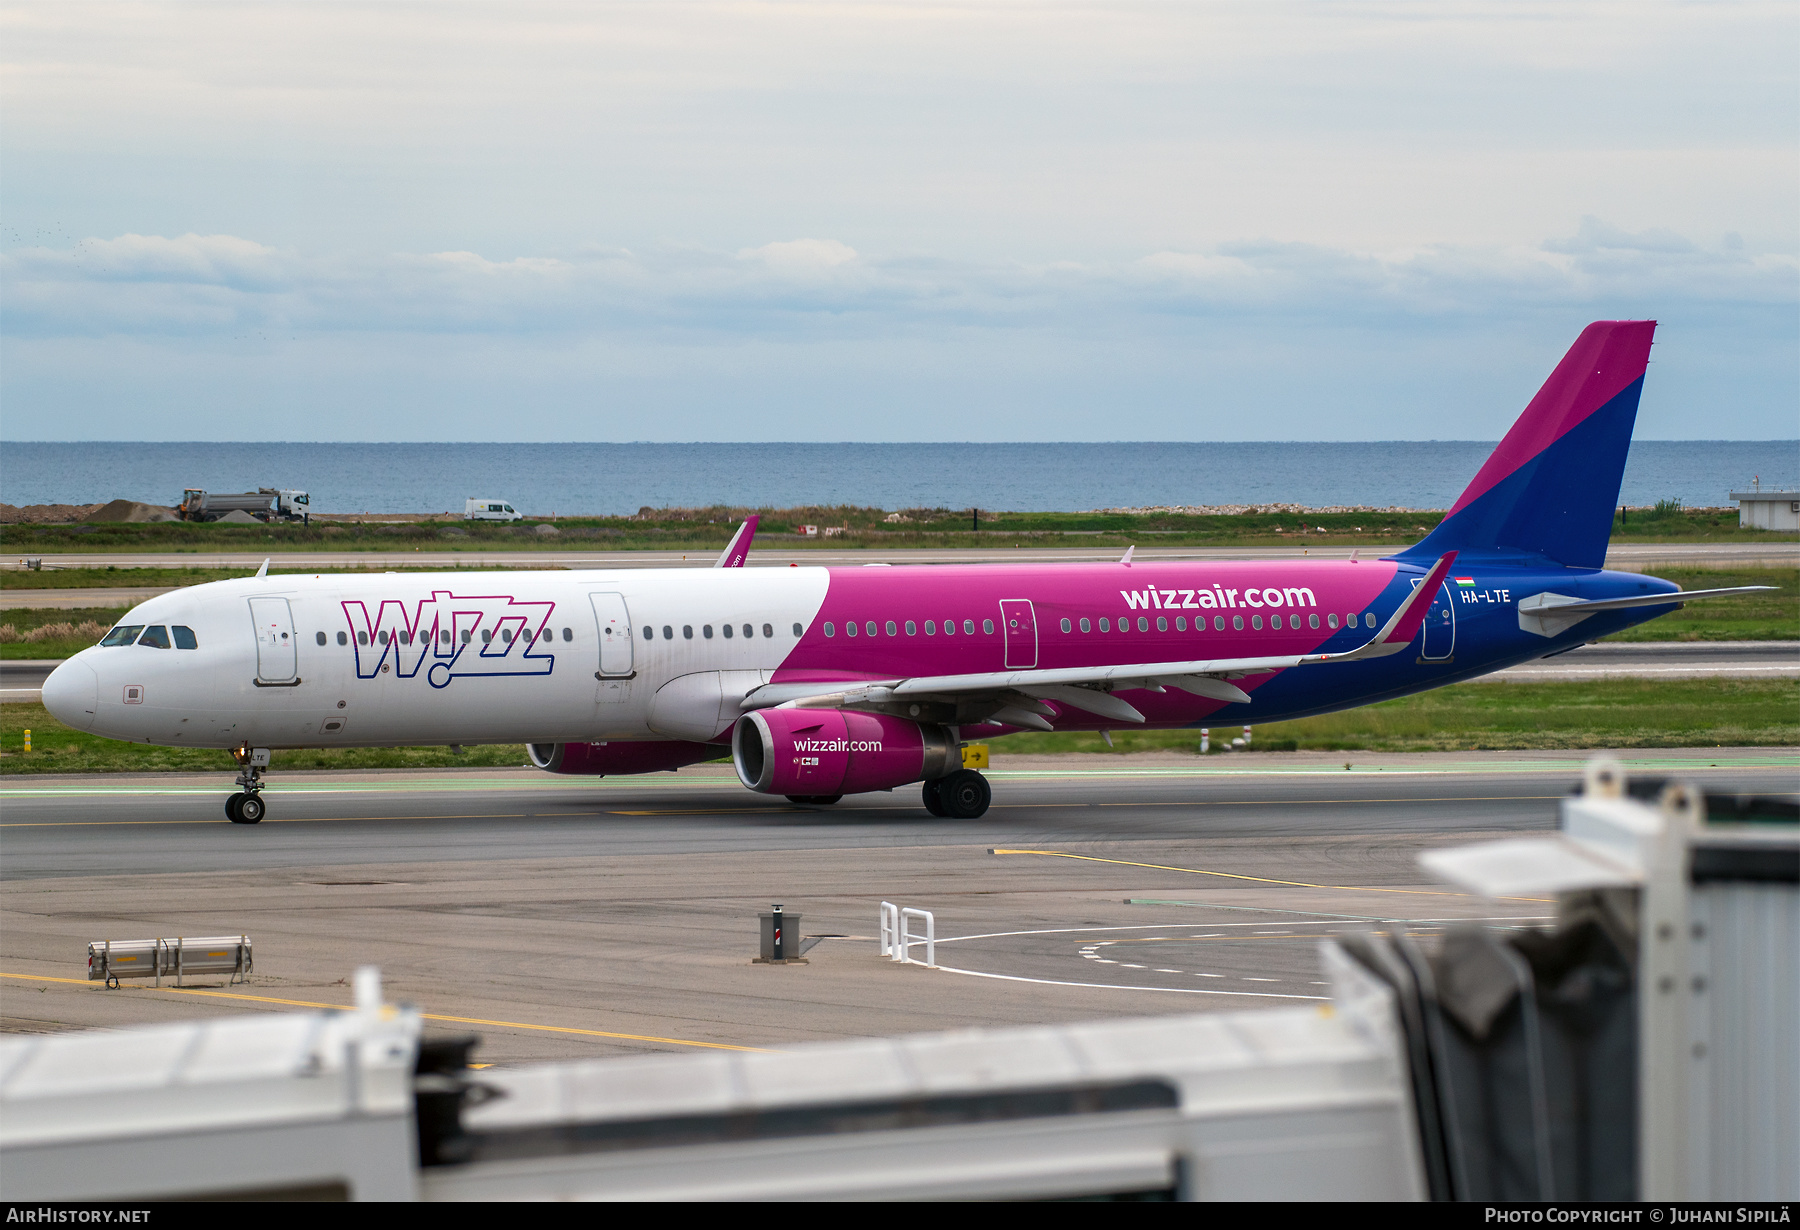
x=156 y=636
x=124 y=634
x=184 y=637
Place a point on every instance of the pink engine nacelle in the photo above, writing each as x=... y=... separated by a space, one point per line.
x=822 y=752
x=599 y=759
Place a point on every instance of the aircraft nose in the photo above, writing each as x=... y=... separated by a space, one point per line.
x=72 y=694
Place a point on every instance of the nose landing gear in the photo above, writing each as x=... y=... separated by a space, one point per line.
x=247 y=806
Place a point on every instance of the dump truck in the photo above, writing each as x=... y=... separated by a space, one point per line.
x=264 y=504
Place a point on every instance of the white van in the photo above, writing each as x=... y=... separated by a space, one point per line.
x=490 y=510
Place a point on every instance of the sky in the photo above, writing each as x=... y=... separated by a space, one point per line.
x=888 y=221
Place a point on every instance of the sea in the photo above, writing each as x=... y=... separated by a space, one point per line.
x=621 y=479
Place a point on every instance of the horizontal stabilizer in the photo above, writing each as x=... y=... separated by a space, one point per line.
x=1555 y=614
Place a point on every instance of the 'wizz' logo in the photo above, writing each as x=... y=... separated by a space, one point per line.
x=452 y=637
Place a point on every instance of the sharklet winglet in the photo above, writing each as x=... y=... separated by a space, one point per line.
x=738 y=549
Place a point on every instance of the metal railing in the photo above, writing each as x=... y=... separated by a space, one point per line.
x=111 y=960
x=898 y=939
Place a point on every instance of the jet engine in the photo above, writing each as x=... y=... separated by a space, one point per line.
x=824 y=753
x=599 y=759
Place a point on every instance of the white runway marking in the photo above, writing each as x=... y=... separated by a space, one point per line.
x=1110 y=986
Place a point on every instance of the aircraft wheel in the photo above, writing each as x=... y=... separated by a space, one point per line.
x=231 y=808
x=252 y=809
x=965 y=794
x=934 y=801
x=817 y=800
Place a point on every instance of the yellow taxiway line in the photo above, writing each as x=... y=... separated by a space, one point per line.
x=453 y=1020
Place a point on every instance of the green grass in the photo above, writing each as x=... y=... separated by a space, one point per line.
x=1506 y=716
x=1748 y=617
x=708 y=529
x=56 y=748
x=24 y=620
x=114 y=577
x=1466 y=717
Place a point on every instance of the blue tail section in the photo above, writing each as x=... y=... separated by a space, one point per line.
x=1548 y=491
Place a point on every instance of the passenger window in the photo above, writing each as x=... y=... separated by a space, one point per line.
x=467 y=636
x=649 y=633
x=949 y=627
x=1331 y=621
x=362 y=638
x=1237 y=623
x=1067 y=626
x=987 y=627
x=1368 y=619
x=1312 y=621
x=443 y=636
x=1086 y=626
x=931 y=627
x=184 y=638
x=341 y=638
x=156 y=636
x=1105 y=624
x=891 y=629
x=969 y=627
x=568 y=634
x=320 y=637
x=766 y=631
x=706 y=631
x=487 y=636
x=406 y=638
x=1219 y=623
x=1256 y=622
x=124 y=634
x=668 y=633
x=849 y=627
x=1162 y=623
x=1181 y=623
x=506 y=635
x=869 y=627
x=1143 y=624
x=687 y=632
x=383 y=637
x=728 y=631
x=912 y=629
x=829 y=629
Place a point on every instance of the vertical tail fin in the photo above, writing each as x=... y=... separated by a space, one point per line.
x=1550 y=488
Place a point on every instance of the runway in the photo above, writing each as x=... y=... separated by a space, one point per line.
x=585 y=917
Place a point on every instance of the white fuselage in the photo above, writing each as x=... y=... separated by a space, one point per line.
x=410 y=658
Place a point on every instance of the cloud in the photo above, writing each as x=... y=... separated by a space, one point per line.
x=802 y=254
x=822 y=289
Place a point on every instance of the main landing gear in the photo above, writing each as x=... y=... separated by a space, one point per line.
x=963 y=795
x=247 y=806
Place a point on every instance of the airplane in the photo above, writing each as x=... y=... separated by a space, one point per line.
x=821 y=682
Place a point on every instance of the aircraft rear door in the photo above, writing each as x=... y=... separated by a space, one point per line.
x=1440 y=627
x=275 y=652
x=612 y=624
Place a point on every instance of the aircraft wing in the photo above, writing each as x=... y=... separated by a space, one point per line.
x=1090 y=687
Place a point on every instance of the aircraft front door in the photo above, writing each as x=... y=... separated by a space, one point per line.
x=1019 y=625
x=275 y=654
x=1440 y=627
x=612 y=624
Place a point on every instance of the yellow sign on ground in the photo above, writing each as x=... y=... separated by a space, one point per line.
x=975 y=755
